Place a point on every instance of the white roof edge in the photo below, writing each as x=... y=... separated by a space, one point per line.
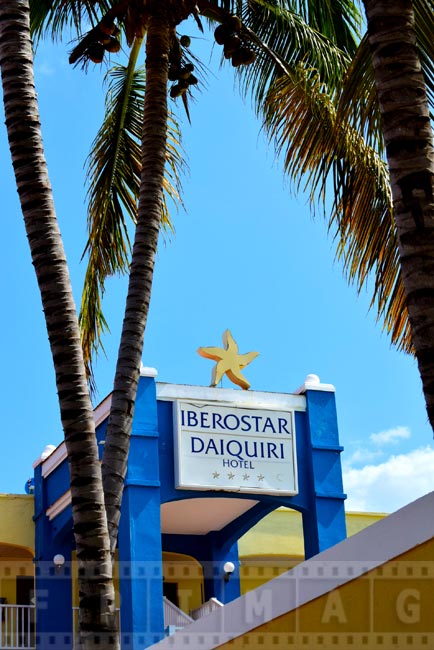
x=146 y=371
x=373 y=546
x=240 y=398
x=59 y=505
x=312 y=382
x=101 y=412
x=58 y=454
x=50 y=462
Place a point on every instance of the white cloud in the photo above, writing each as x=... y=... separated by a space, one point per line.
x=362 y=455
x=390 y=436
x=391 y=484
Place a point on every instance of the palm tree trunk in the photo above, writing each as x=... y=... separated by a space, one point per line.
x=25 y=141
x=409 y=145
x=142 y=266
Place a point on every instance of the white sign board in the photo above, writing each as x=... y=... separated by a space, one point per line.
x=234 y=449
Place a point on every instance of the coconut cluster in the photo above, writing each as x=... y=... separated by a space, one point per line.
x=106 y=40
x=229 y=35
x=180 y=71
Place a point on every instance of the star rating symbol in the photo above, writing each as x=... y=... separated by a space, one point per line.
x=229 y=361
x=231 y=476
x=261 y=477
x=215 y=475
x=246 y=477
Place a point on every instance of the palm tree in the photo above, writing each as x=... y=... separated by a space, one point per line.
x=24 y=133
x=337 y=137
x=408 y=138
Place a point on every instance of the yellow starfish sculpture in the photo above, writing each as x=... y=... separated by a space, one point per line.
x=229 y=362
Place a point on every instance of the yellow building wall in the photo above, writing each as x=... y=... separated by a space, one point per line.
x=187 y=573
x=272 y=547
x=276 y=544
x=356 y=521
x=16 y=520
x=279 y=533
x=16 y=542
x=9 y=570
x=389 y=608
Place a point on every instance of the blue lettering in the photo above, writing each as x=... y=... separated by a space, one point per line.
x=216 y=420
x=204 y=420
x=194 y=449
x=256 y=418
x=191 y=419
x=237 y=449
x=271 y=450
x=237 y=445
x=237 y=422
x=269 y=425
x=245 y=421
x=211 y=445
x=246 y=445
x=282 y=426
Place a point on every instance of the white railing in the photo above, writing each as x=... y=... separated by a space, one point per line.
x=206 y=608
x=173 y=616
x=17 y=624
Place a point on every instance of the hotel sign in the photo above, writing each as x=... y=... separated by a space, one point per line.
x=234 y=449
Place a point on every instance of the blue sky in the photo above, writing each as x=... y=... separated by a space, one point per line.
x=247 y=256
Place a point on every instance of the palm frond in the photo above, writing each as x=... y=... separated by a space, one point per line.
x=330 y=156
x=358 y=101
x=114 y=170
x=339 y=20
x=51 y=17
x=293 y=41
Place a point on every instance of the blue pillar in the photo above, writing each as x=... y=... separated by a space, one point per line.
x=324 y=523
x=53 y=587
x=212 y=555
x=140 y=551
